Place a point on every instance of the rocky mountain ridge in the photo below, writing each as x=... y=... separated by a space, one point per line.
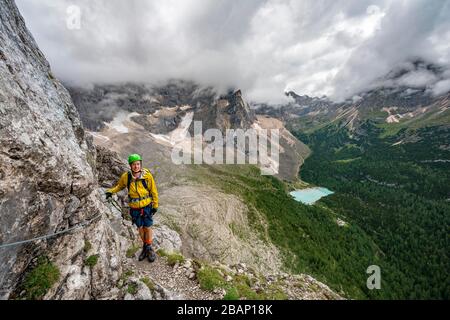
x=400 y=96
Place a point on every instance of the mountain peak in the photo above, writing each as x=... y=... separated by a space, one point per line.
x=228 y=112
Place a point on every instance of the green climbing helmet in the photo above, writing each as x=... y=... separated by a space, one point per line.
x=134 y=157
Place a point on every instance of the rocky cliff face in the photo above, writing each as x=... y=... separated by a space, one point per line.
x=228 y=112
x=47 y=181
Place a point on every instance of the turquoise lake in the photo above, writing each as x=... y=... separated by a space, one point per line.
x=310 y=195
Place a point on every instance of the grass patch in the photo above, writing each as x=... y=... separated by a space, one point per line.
x=240 y=287
x=390 y=129
x=132 y=250
x=132 y=288
x=123 y=278
x=87 y=246
x=246 y=292
x=149 y=283
x=241 y=278
x=243 y=285
x=127 y=274
x=173 y=258
x=295 y=185
x=231 y=294
x=275 y=292
x=92 y=260
x=210 y=279
x=39 y=280
x=162 y=253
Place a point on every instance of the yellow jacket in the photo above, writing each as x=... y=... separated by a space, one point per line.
x=138 y=191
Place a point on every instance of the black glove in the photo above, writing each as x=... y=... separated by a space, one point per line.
x=108 y=195
x=154 y=210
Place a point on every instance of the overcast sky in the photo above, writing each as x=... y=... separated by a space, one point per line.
x=264 y=47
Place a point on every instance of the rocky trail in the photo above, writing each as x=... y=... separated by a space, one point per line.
x=172 y=282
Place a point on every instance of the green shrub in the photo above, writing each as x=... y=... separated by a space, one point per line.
x=173 y=258
x=40 y=279
x=149 y=283
x=132 y=288
x=210 y=279
x=246 y=292
x=91 y=260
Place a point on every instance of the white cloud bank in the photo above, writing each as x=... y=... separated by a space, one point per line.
x=264 y=47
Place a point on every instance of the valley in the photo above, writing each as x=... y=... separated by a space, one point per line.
x=379 y=178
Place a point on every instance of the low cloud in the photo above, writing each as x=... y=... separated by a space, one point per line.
x=441 y=87
x=264 y=47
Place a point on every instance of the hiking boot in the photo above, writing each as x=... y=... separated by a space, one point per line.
x=143 y=253
x=151 y=254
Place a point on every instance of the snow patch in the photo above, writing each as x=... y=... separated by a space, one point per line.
x=99 y=135
x=119 y=121
x=177 y=135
